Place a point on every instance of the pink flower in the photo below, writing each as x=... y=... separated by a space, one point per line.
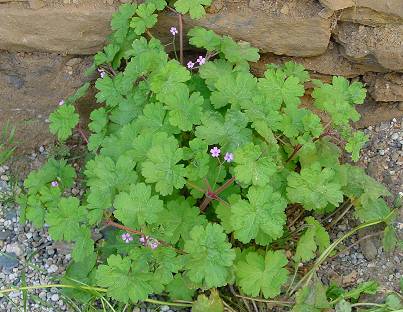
x=54 y=184
x=143 y=239
x=173 y=31
x=190 y=64
x=61 y=102
x=201 y=60
x=215 y=151
x=153 y=244
x=229 y=157
x=127 y=238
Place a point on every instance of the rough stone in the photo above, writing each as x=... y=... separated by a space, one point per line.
x=392 y=7
x=82 y=29
x=380 y=46
x=367 y=16
x=332 y=62
x=8 y=261
x=36 y=4
x=67 y=29
x=43 y=83
x=385 y=87
x=4 y=234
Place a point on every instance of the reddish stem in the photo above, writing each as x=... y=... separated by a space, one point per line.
x=180 y=38
x=130 y=230
x=82 y=134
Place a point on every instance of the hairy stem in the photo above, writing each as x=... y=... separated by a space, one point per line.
x=180 y=38
x=130 y=230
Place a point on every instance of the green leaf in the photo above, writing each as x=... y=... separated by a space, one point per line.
x=264 y=211
x=252 y=167
x=84 y=246
x=203 y=38
x=343 y=306
x=212 y=71
x=53 y=170
x=62 y=121
x=107 y=55
x=194 y=7
x=229 y=133
x=371 y=209
x=120 y=21
x=169 y=80
x=315 y=238
x=138 y=206
x=109 y=91
x=238 y=53
x=125 y=280
x=235 y=89
x=338 y=99
x=184 y=111
x=64 y=221
x=369 y=288
x=106 y=178
x=262 y=274
x=279 y=89
x=35 y=211
x=178 y=219
x=355 y=144
x=211 y=304
x=314 y=188
x=178 y=289
x=145 y=18
x=390 y=239
x=154 y=120
x=209 y=257
x=159 y=4
x=311 y=299
x=297 y=70
x=393 y=302
x=321 y=151
x=162 y=168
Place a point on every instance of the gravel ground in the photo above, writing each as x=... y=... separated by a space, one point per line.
x=25 y=249
x=366 y=260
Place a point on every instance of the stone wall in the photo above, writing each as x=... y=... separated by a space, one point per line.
x=45 y=46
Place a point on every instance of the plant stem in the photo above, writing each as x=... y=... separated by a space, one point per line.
x=82 y=134
x=363 y=304
x=340 y=216
x=130 y=230
x=275 y=302
x=305 y=280
x=174 y=304
x=356 y=243
x=180 y=38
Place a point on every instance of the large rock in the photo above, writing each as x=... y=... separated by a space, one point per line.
x=367 y=16
x=392 y=7
x=385 y=87
x=372 y=45
x=67 y=29
x=332 y=62
x=31 y=86
x=292 y=31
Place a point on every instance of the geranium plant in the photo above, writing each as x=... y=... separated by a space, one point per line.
x=196 y=164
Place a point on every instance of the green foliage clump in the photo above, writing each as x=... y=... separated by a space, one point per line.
x=193 y=171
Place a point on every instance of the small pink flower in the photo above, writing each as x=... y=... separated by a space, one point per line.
x=201 y=60
x=143 y=239
x=190 y=64
x=127 y=238
x=153 y=244
x=173 y=31
x=215 y=151
x=61 y=102
x=229 y=157
x=54 y=184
